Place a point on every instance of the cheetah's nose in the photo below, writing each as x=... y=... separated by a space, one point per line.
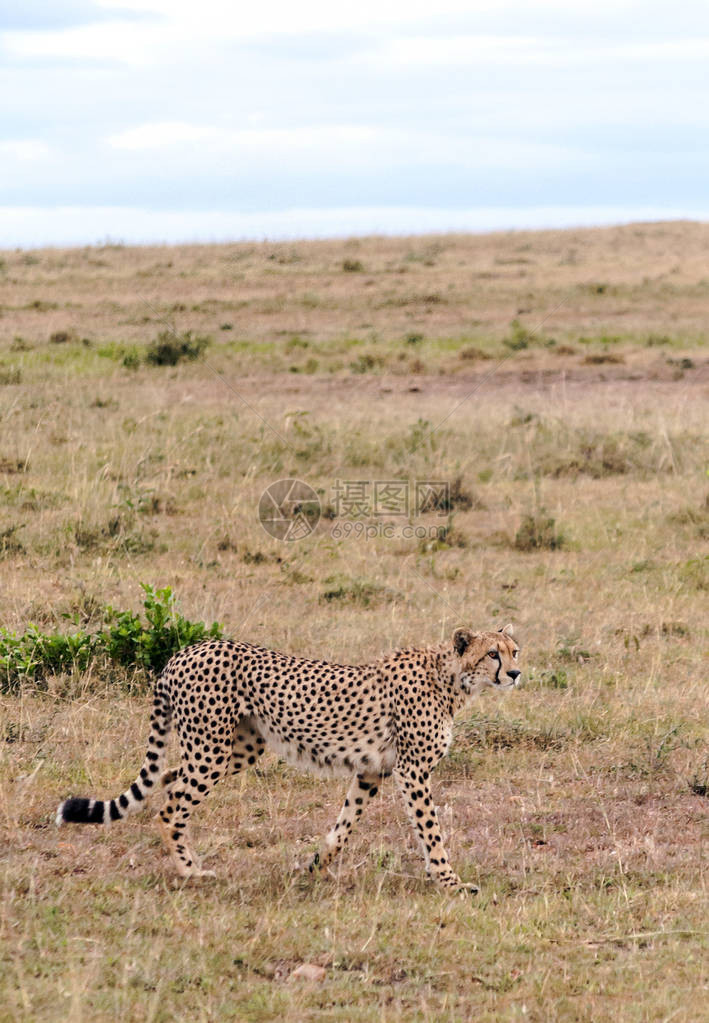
x=514 y=674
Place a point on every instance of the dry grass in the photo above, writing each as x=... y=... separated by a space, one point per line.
x=575 y=803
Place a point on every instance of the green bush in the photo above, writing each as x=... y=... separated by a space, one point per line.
x=695 y=573
x=126 y=639
x=10 y=543
x=347 y=590
x=171 y=348
x=538 y=532
x=518 y=338
x=366 y=363
x=129 y=642
x=554 y=678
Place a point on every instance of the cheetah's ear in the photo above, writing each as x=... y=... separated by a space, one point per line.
x=462 y=638
x=509 y=630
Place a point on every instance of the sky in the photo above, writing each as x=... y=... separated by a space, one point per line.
x=168 y=120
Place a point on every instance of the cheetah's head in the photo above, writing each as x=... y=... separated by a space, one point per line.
x=487 y=659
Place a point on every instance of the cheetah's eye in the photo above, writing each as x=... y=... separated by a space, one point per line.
x=514 y=654
x=494 y=653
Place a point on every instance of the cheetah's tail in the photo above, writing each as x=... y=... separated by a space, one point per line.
x=96 y=811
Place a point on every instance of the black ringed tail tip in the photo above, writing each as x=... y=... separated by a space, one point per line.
x=80 y=811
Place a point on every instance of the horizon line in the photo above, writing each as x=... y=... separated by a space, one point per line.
x=27 y=227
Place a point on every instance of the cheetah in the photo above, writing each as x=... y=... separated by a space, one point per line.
x=231 y=700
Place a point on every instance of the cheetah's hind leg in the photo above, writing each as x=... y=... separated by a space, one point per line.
x=173 y=826
x=247 y=745
x=363 y=787
x=167 y=781
x=167 y=784
x=186 y=789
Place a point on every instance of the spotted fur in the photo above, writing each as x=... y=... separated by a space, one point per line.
x=229 y=701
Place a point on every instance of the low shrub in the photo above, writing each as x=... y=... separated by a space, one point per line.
x=601 y=358
x=366 y=363
x=10 y=375
x=538 y=532
x=10 y=543
x=353 y=591
x=61 y=337
x=145 y=643
x=472 y=354
x=518 y=338
x=171 y=348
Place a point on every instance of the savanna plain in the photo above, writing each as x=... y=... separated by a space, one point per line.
x=558 y=383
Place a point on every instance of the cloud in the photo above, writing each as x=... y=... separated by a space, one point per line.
x=161 y=134
x=353 y=139
x=318 y=29
x=234 y=110
x=499 y=51
x=40 y=15
x=243 y=21
x=24 y=150
x=111 y=40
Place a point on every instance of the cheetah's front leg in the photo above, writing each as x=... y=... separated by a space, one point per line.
x=415 y=787
x=362 y=788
